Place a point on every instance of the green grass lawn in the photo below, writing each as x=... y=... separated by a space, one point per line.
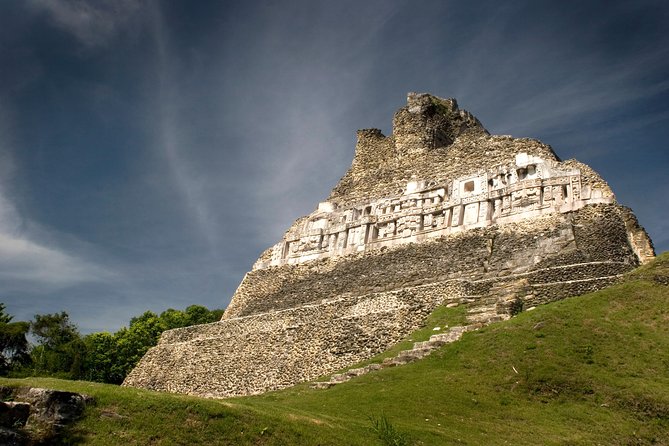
x=587 y=370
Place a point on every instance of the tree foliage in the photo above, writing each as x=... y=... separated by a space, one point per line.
x=4 y=317
x=101 y=357
x=13 y=342
x=53 y=330
x=111 y=357
x=60 y=350
x=104 y=357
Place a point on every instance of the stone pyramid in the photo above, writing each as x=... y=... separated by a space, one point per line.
x=440 y=212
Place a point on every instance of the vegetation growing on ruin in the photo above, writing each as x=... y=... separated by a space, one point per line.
x=442 y=106
x=587 y=370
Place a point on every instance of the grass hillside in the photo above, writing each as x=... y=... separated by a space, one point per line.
x=587 y=370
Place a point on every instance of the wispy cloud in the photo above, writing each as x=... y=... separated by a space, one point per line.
x=299 y=142
x=552 y=109
x=31 y=264
x=22 y=260
x=30 y=258
x=544 y=83
x=170 y=142
x=92 y=22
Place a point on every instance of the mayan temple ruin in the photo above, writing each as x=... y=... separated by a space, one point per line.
x=438 y=213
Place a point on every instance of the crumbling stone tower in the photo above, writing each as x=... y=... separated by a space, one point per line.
x=439 y=212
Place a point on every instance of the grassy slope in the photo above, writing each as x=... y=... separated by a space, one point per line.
x=587 y=370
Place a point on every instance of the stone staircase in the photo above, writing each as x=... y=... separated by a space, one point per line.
x=497 y=305
x=419 y=350
x=487 y=311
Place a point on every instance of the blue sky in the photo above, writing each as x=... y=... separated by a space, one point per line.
x=150 y=150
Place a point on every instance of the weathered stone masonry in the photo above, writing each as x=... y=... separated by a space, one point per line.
x=439 y=212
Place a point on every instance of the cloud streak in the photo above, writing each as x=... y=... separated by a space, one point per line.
x=296 y=99
x=93 y=23
x=27 y=263
x=171 y=142
x=545 y=78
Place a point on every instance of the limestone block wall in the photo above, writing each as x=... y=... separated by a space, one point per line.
x=467 y=155
x=432 y=140
x=428 y=122
x=373 y=151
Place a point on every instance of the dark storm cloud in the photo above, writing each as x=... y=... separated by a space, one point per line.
x=149 y=151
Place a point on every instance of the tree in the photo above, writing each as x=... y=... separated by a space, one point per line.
x=197 y=314
x=4 y=317
x=13 y=342
x=111 y=357
x=172 y=318
x=193 y=315
x=60 y=349
x=137 y=339
x=101 y=363
x=53 y=330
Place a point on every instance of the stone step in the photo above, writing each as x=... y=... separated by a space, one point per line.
x=388 y=362
x=453 y=334
x=412 y=355
x=420 y=350
x=399 y=360
x=355 y=372
x=445 y=338
x=428 y=344
x=482 y=309
x=415 y=351
x=487 y=318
